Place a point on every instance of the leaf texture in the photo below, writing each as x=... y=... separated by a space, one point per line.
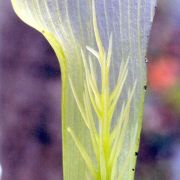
x=101 y=47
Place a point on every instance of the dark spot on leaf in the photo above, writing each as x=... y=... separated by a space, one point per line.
x=145 y=87
x=136 y=153
x=146 y=60
x=133 y=169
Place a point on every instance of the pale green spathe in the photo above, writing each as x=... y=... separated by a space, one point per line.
x=101 y=47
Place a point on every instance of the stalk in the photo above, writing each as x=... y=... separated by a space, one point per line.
x=101 y=116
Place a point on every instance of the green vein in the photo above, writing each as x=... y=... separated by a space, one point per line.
x=83 y=152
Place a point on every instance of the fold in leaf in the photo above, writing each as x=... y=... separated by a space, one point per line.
x=101 y=47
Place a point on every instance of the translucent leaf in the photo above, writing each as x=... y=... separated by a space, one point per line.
x=101 y=48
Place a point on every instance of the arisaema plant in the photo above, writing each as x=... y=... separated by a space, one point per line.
x=101 y=47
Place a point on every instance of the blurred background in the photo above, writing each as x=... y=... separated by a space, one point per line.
x=30 y=130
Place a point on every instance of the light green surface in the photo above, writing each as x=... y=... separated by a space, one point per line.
x=101 y=47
